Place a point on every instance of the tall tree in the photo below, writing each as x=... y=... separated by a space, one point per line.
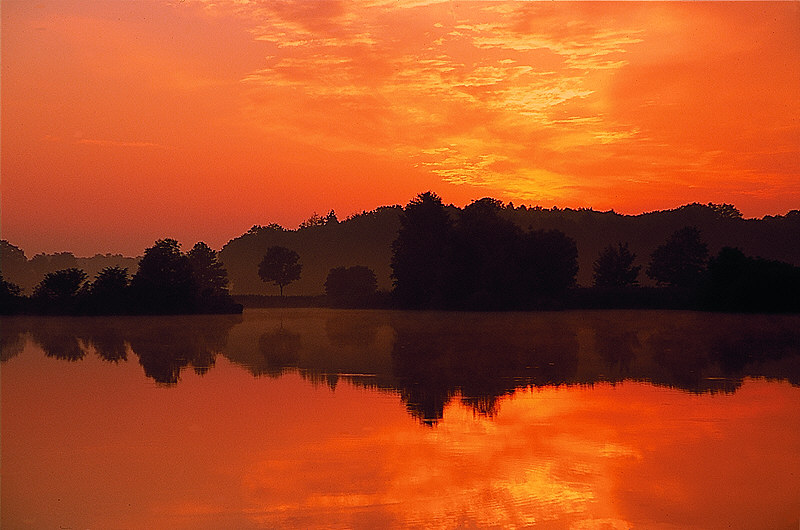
x=210 y=276
x=550 y=264
x=108 y=293
x=681 y=260
x=419 y=253
x=614 y=267
x=58 y=291
x=280 y=266
x=163 y=283
x=482 y=271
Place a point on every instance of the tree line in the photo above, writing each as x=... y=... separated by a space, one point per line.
x=442 y=257
x=167 y=281
x=475 y=258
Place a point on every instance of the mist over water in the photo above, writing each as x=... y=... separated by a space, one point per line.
x=317 y=417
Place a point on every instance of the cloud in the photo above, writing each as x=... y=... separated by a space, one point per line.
x=521 y=96
x=117 y=143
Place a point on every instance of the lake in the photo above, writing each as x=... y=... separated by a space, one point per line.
x=338 y=419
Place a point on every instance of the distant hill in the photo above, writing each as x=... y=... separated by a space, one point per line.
x=366 y=239
x=27 y=273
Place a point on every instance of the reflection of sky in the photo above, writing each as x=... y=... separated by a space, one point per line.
x=94 y=444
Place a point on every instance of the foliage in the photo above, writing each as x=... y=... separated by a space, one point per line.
x=164 y=282
x=550 y=263
x=419 y=253
x=681 y=261
x=58 y=291
x=483 y=261
x=740 y=283
x=318 y=220
x=10 y=298
x=280 y=266
x=351 y=286
x=614 y=267
x=109 y=293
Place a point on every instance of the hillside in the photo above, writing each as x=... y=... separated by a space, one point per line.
x=366 y=239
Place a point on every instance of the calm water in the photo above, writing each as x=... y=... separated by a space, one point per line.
x=322 y=418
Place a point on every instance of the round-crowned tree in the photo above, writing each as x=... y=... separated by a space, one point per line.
x=351 y=286
x=280 y=266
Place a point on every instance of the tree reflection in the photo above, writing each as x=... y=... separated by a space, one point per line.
x=477 y=358
x=167 y=345
x=58 y=338
x=280 y=349
x=12 y=338
x=430 y=359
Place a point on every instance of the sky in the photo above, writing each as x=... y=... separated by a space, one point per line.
x=126 y=122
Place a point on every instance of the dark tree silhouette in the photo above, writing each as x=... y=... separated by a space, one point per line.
x=351 y=286
x=280 y=266
x=481 y=270
x=164 y=284
x=58 y=291
x=614 y=267
x=419 y=253
x=681 y=261
x=109 y=294
x=740 y=283
x=210 y=281
x=210 y=276
x=550 y=260
x=318 y=220
x=10 y=298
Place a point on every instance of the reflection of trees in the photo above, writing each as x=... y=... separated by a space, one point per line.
x=356 y=329
x=166 y=345
x=58 y=338
x=280 y=349
x=436 y=359
x=617 y=347
x=12 y=338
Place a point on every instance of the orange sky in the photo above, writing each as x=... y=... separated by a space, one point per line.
x=124 y=122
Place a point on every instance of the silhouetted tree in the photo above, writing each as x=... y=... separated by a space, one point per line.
x=210 y=281
x=681 y=261
x=614 y=267
x=10 y=299
x=550 y=260
x=109 y=294
x=58 y=291
x=481 y=271
x=740 y=283
x=419 y=253
x=318 y=220
x=351 y=286
x=280 y=266
x=164 y=284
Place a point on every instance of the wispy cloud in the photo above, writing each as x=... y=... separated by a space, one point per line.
x=118 y=143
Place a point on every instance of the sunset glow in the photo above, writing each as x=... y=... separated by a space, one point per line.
x=124 y=122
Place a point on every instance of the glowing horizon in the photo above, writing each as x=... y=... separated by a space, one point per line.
x=123 y=123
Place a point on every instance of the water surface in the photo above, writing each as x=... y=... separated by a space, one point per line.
x=322 y=418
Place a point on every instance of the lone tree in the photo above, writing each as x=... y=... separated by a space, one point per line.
x=280 y=266
x=681 y=261
x=614 y=267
